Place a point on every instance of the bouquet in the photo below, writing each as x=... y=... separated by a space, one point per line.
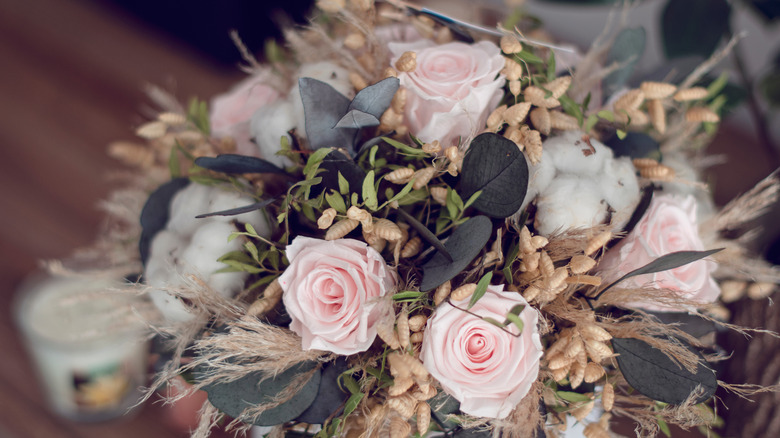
x=405 y=224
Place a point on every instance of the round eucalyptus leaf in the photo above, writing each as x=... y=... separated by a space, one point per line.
x=330 y=396
x=464 y=244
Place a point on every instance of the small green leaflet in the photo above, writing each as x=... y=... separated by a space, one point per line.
x=529 y=57
x=407 y=294
x=621 y=134
x=402 y=147
x=314 y=161
x=481 y=289
x=572 y=397
x=336 y=201
x=343 y=185
x=513 y=317
x=369 y=192
x=571 y=108
x=606 y=114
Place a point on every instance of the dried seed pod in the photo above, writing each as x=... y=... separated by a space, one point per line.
x=387 y=230
x=390 y=120
x=580 y=264
x=515 y=87
x=386 y=332
x=560 y=344
x=400 y=386
x=658 y=173
x=657 y=90
x=444 y=35
x=390 y=72
x=595 y=333
x=515 y=114
x=510 y=45
x=731 y=291
x=631 y=100
x=701 y=114
x=597 y=242
x=532 y=140
x=496 y=118
x=558 y=361
x=608 y=397
x=442 y=292
x=357 y=81
x=531 y=292
x=693 y=93
x=261 y=306
x=641 y=163
x=355 y=40
x=536 y=96
x=433 y=147
x=422 y=177
x=423 y=417
x=558 y=278
x=331 y=6
x=341 y=229
x=540 y=118
x=512 y=69
x=273 y=290
x=574 y=347
x=152 y=130
x=400 y=176
x=172 y=119
x=563 y=121
x=558 y=86
x=577 y=374
x=525 y=241
x=417 y=322
x=402 y=328
x=453 y=154
x=513 y=133
x=364 y=217
x=439 y=195
x=399 y=101
x=597 y=351
x=399 y=427
x=539 y=242
x=655 y=109
x=632 y=117
x=398 y=365
x=560 y=373
x=582 y=411
x=757 y=291
x=595 y=430
x=546 y=264
x=464 y=292
x=411 y=248
x=131 y=153
x=326 y=219
x=416 y=338
x=426 y=392
x=593 y=372
x=406 y=62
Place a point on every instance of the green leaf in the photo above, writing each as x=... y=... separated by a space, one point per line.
x=472 y=199
x=694 y=27
x=174 y=167
x=464 y=245
x=250 y=229
x=607 y=115
x=343 y=184
x=403 y=148
x=592 y=120
x=405 y=295
x=314 y=161
x=425 y=234
x=413 y=197
x=352 y=403
x=372 y=155
x=716 y=86
x=252 y=249
x=513 y=317
x=397 y=197
x=350 y=383
x=493 y=321
x=369 y=192
x=573 y=397
x=495 y=166
x=664 y=427
x=571 y=108
x=481 y=289
x=551 y=66
x=620 y=133
x=529 y=57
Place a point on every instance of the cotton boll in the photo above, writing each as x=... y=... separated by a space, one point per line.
x=186 y=204
x=569 y=202
x=540 y=176
x=172 y=309
x=620 y=188
x=267 y=127
x=200 y=258
x=574 y=156
x=327 y=72
x=161 y=272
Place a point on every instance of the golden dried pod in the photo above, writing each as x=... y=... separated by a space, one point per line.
x=439 y=195
x=152 y=130
x=355 y=40
x=425 y=26
x=531 y=292
x=580 y=264
x=496 y=118
x=701 y=114
x=693 y=93
x=422 y=177
x=515 y=114
x=331 y=6
x=273 y=290
x=540 y=118
x=513 y=133
x=731 y=290
x=453 y=154
x=597 y=242
x=433 y=147
x=416 y=337
x=386 y=331
x=417 y=322
x=595 y=430
x=657 y=113
x=574 y=347
x=536 y=96
x=442 y=292
x=595 y=333
x=560 y=344
x=510 y=44
x=559 y=361
x=390 y=72
x=399 y=101
x=402 y=328
x=362 y=216
x=464 y=292
x=400 y=176
x=597 y=351
x=172 y=119
x=558 y=278
x=357 y=81
x=560 y=374
x=387 y=230
x=608 y=397
x=390 y=120
x=582 y=411
x=593 y=372
x=632 y=117
x=657 y=90
x=631 y=100
x=411 y=248
x=403 y=404
x=326 y=219
x=361 y=5
x=589 y=280
x=132 y=154
x=577 y=374
x=341 y=229
x=642 y=163
x=563 y=121
x=546 y=264
x=423 y=417
x=558 y=86
x=426 y=391
x=515 y=87
x=400 y=386
x=719 y=312
x=757 y=291
x=444 y=35
x=525 y=241
x=512 y=69
x=658 y=173
x=398 y=365
x=261 y=306
x=407 y=62
x=532 y=140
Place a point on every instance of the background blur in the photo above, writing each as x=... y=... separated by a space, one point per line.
x=72 y=74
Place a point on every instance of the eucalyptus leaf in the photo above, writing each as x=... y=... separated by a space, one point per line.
x=234 y=397
x=333 y=164
x=233 y=163
x=626 y=51
x=238 y=210
x=495 y=166
x=694 y=325
x=464 y=245
x=156 y=212
x=375 y=99
x=694 y=27
x=426 y=234
x=330 y=397
x=323 y=108
x=356 y=119
x=652 y=373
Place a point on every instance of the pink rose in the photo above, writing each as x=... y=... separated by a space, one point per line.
x=232 y=111
x=453 y=89
x=669 y=225
x=487 y=369
x=332 y=291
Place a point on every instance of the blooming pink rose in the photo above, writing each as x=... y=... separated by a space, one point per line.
x=453 y=89
x=486 y=368
x=669 y=225
x=232 y=111
x=332 y=291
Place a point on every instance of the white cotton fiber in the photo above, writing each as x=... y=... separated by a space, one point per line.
x=620 y=188
x=186 y=204
x=569 y=202
x=572 y=155
x=267 y=127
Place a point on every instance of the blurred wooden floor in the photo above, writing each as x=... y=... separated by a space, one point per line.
x=71 y=79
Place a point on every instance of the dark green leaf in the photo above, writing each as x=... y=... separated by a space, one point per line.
x=481 y=289
x=695 y=326
x=652 y=373
x=571 y=108
x=770 y=87
x=769 y=10
x=635 y=145
x=375 y=99
x=356 y=120
x=336 y=163
x=464 y=244
x=626 y=51
x=495 y=166
x=156 y=212
x=238 y=210
x=641 y=208
x=330 y=397
x=323 y=108
x=694 y=27
x=426 y=234
x=232 y=163
x=234 y=397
